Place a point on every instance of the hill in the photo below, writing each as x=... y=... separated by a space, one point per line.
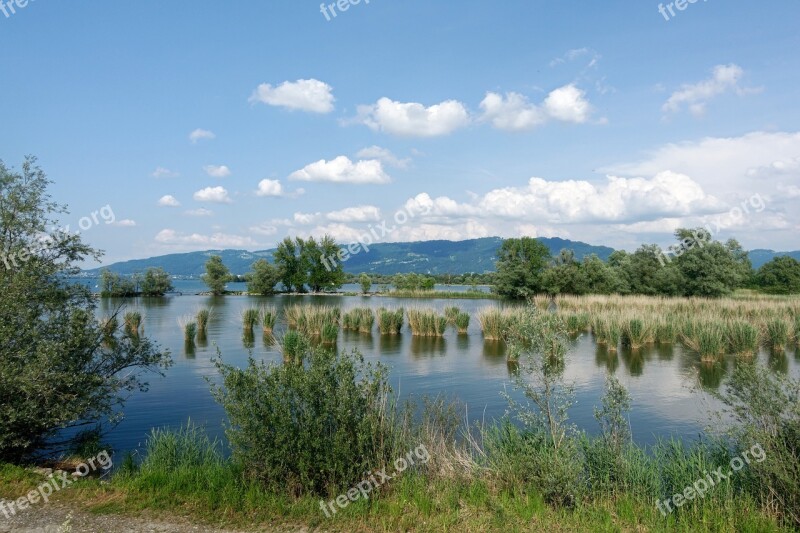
x=431 y=257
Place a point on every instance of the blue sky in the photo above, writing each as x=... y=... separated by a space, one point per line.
x=595 y=121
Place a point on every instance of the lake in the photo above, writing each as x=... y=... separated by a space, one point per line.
x=669 y=386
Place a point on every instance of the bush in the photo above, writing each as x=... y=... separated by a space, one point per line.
x=308 y=429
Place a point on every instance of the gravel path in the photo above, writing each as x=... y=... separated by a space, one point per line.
x=57 y=518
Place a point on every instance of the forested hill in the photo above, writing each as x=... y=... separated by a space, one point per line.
x=427 y=257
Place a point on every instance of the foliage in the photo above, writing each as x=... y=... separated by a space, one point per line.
x=217 y=275
x=312 y=429
x=263 y=278
x=520 y=263
x=779 y=276
x=156 y=282
x=413 y=282
x=115 y=286
x=365 y=282
x=52 y=349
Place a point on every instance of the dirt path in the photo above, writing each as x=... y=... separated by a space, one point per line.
x=58 y=518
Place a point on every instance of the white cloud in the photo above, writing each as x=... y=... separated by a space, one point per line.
x=306 y=95
x=577 y=53
x=264 y=229
x=362 y=213
x=125 y=223
x=413 y=119
x=200 y=134
x=215 y=240
x=696 y=96
x=200 y=212
x=569 y=104
x=217 y=171
x=217 y=195
x=162 y=172
x=342 y=170
x=383 y=154
x=514 y=112
x=305 y=219
x=269 y=188
x=168 y=201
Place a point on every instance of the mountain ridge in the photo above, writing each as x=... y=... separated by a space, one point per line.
x=425 y=257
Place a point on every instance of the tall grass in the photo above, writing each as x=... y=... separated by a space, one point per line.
x=390 y=321
x=777 y=334
x=132 y=321
x=426 y=323
x=451 y=313
x=707 y=338
x=495 y=322
x=310 y=320
x=638 y=332
x=741 y=338
x=203 y=316
x=250 y=318
x=462 y=323
x=269 y=316
x=189 y=327
x=360 y=319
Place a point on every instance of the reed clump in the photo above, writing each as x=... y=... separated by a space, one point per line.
x=132 y=321
x=390 y=321
x=250 y=318
x=202 y=318
x=189 y=327
x=462 y=323
x=360 y=319
x=777 y=333
x=451 y=313
x=426 y=323
x=310 y=320
x=496 y=322
x=741 y=338
x=269 y=317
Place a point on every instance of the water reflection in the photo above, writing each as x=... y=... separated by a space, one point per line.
x=390 y=344
x=710 y=375
x=424 y=346
x=494 y=349
x=248 y=338
x=604 y=358
x=633 y=360
x=189 y=349
x=462 y=342
x=778 y=361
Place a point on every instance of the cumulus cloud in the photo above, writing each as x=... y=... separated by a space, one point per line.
x=696 y=96
x=414 y=119
x=215 y=240
x=343 y=170
x=201 y=134
x=310 y=95
x=162 y=172
x=169 y=201
x=217 y=171
x=217 y=195
x=383 y=154
x=362 y=213
x=307 y=218
x=269 y=188
x=515 y=112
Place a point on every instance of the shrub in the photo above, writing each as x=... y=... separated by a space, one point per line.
x=311 y=429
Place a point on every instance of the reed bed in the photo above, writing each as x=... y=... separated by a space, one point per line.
x=390 y=321
x=495 y=322
x=310 y=320
x=250 y=318
x=133 y=322
x=461 y=323
x=189 y=327
x=451 y=313
x=360 y=319
x=202 y=318
x=426 y=323
x=269 y=316
x=777 y=334
x=109 y=325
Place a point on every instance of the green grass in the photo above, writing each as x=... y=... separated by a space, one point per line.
x=777 y=334
x=426 y=323
x=360 y=319
x=390 y=321
x=444 y=295
x=462 y=323
x=741 y=338
x=269 y=316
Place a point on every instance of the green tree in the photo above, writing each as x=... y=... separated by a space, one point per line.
x=365 y=282
x=520 y=263
x=156 y=282
x=217 y=275
x=288 y=258
x=323 y=274
x=263 y=278
x=115 y=286
x=58 y=369
x=709 y=268
x=779 y=276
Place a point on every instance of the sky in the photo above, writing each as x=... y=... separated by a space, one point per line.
x=179 y=126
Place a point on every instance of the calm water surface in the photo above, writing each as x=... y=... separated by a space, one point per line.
x=670 y=387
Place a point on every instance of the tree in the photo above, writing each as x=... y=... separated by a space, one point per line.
x=709 y=268
x=365 y=282
x=115 y=286
x=288 y=259
x=520 y=263
x=322 y=274
x=263 y=278
x=779 y=276
x=58 y=369
x=156 y=282
x=217 y=275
